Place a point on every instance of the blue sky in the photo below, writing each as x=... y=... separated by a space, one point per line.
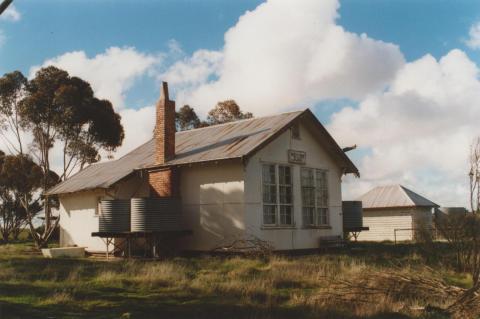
x=52 y=27
x=364 y=68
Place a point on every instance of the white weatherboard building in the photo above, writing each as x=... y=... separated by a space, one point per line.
x=394 y=213
x=277 y=178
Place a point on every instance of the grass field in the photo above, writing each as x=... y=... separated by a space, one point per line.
x=214 y=287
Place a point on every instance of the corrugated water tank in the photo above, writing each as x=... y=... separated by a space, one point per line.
x=444 y=212
x=352 y=214
x=155 y=214
x=114 y=215
x=453 y=210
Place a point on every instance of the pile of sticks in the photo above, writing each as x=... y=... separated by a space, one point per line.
x=251 y=246
x=402 y=286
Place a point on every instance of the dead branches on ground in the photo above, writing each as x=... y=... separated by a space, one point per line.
x=251 y=246
x=402 y=286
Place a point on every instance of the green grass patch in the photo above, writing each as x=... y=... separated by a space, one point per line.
x=208 y=287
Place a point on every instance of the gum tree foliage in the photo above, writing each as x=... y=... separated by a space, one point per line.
x=12 y=214
x=21 y=178
x=11 y=218
x=12 y=90
x=226 y=111
x=186 y=119
x=56 y=108
x=223 y=112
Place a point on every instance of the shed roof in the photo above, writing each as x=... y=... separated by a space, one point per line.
x=394 y=196
x=232 y=140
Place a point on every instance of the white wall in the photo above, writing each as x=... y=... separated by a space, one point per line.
x=212 y=204
x=79 y=211
x=297 y=237
x=382 y=223
x=78 y=219
x=223 y=201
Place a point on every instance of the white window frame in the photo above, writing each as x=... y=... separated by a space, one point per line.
x=317 y=205
x=278 y=205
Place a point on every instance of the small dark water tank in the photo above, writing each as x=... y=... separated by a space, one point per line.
x=114 y=216
x=352 y=214
x=155 y=214
x=443 y=212
x=453 y=210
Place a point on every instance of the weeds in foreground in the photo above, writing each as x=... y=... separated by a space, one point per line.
x=348 y=284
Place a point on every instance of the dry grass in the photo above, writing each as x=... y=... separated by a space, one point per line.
x=58 y=298
x=339 y=285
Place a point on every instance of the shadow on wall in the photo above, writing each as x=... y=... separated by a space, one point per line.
x=65 y=238
x=217 y=220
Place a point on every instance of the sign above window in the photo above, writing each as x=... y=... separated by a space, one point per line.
x=297 y=157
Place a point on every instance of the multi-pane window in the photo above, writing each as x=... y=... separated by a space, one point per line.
x=285 y=194
x=269 y=194
x=277 y=195
x=321 y=188
x=314 y=184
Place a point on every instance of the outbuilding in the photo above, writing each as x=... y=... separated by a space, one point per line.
x=275 y=178
x=395 y=213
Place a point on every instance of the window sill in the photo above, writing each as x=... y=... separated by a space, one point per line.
x=266 y=227
x=317 y=227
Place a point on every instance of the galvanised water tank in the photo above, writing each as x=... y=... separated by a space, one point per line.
x=352 y=214
x=155 y=214
x=114 y=215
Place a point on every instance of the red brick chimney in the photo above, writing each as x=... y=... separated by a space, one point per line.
x=165 y=128
x=163 y=181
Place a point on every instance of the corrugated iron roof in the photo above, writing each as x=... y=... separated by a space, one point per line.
x=213 y=143
x=394 y=196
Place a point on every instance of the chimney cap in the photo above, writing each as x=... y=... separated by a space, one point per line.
x=164 y=92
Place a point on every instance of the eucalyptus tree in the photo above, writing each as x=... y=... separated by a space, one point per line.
x=21 y=178
x=89 y=125
x=54 y=108
x=12 y=91
x=12 y=214
x=226 y=111
x=186 y=119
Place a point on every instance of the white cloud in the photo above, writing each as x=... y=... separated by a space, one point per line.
x=111 y=73
x=11 y=14
x=474 y=36
x=283 y=55
x=138 y=125
x=419 y=130
x=193 y=71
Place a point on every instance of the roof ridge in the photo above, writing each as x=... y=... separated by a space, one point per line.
x=405 y=192
x=224 y=141
x=239 y=121
x=394 y=195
